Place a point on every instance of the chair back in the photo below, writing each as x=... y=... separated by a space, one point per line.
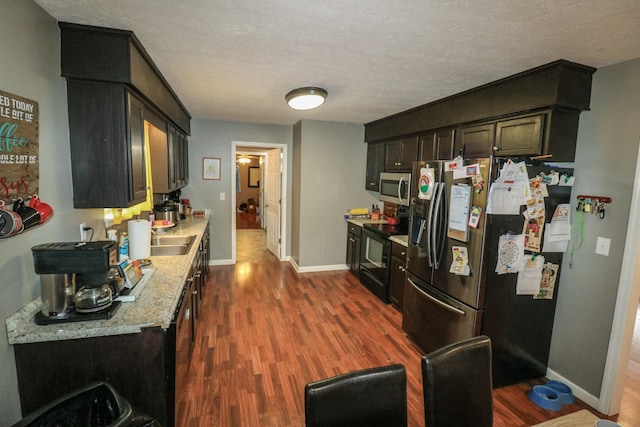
x=366 y=398
x=457 y=384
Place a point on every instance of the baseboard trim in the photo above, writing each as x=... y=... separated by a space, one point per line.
x=221 y=262
x=578 y=392
x=317 y=268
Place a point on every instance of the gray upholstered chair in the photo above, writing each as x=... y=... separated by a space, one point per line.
x=366 y=398
x=457 y=385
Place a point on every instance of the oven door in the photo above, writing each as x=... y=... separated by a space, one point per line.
x=374 y=263
x=432 y=319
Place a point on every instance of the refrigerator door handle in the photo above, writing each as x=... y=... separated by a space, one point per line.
x=435 y=225
x=421 y=232
x=430 y=252
x=437 y=301
x=441 y=234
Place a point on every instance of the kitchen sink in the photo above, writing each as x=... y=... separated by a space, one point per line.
x=172 y=240
x=171 y=245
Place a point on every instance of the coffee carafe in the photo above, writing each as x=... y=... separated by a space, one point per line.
x=65 y=268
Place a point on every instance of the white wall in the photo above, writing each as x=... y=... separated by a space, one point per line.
x=605 y=165
x=332 y=170
x=30 y=67
x=211 y=138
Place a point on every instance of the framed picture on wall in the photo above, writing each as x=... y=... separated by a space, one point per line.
x=211 y=168
x=254 y=176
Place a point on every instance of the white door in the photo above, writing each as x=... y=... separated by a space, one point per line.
x=262 y=203
x=272 y=207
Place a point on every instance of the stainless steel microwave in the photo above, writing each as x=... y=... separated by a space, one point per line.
x=395 y=188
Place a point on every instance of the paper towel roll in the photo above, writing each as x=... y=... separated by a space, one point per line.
x=139 y=239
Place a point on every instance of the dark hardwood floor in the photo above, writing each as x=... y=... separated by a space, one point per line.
x=265 y=331
x=247 y=220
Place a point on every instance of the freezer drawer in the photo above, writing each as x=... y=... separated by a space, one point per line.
x=432 y=320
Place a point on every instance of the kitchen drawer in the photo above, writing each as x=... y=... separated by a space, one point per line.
x=354 y=229
x=398 y=250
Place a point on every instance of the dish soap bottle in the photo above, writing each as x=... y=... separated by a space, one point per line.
x=124 y=246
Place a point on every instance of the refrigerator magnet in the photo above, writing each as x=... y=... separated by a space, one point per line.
x=426 y=183
x=460 y=264
x=474 y=217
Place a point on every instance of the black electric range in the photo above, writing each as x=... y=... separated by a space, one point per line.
x=375 y=256
x=388 y=230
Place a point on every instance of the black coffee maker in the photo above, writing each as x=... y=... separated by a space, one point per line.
x=65 y=269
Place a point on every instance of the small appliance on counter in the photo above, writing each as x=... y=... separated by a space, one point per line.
x=167 y=210
x=76 y=281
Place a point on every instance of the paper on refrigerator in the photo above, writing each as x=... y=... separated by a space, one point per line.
x=510 y=191
x=506 y=198
x=529 y=278
x=510 y=254
x=558 y=231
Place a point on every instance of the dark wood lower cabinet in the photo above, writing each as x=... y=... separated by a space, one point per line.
x=354 y=239
x=397 y=267
x=141 y=367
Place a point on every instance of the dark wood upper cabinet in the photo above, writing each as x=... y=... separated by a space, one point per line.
x=400 y=154
x=169 y=152
x=535 y=112
x=113 y=86
x=117 y=56
x=444 y=143
x=475 y=141
x=106 y=129
x=375 y=165
x=520 y=136
x=427 y=146
x=550 y=132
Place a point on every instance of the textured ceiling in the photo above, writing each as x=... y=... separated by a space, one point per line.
x=236 y=60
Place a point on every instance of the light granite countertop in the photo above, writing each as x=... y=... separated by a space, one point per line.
x=362 y=221
x=154 y=306
x=401 y=239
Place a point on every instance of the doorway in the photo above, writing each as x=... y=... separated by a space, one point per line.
x=624 y=317
x=272 y=184
x=249 y=189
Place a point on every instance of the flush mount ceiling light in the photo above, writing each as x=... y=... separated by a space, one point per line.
x=244 y=160
x=306 y=98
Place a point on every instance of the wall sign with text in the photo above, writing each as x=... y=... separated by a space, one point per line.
x=19 y=147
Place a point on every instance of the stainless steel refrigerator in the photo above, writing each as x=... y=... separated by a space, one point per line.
x=441 y=307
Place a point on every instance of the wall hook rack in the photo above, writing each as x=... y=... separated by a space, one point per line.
x=601 y=199
x=592 y=204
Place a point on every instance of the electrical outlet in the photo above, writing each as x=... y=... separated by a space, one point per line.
x=83 y=236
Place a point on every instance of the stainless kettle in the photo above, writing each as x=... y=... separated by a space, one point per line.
x=89 y=299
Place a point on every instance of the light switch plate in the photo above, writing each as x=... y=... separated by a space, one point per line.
x=602 y=246
x=223 y=195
